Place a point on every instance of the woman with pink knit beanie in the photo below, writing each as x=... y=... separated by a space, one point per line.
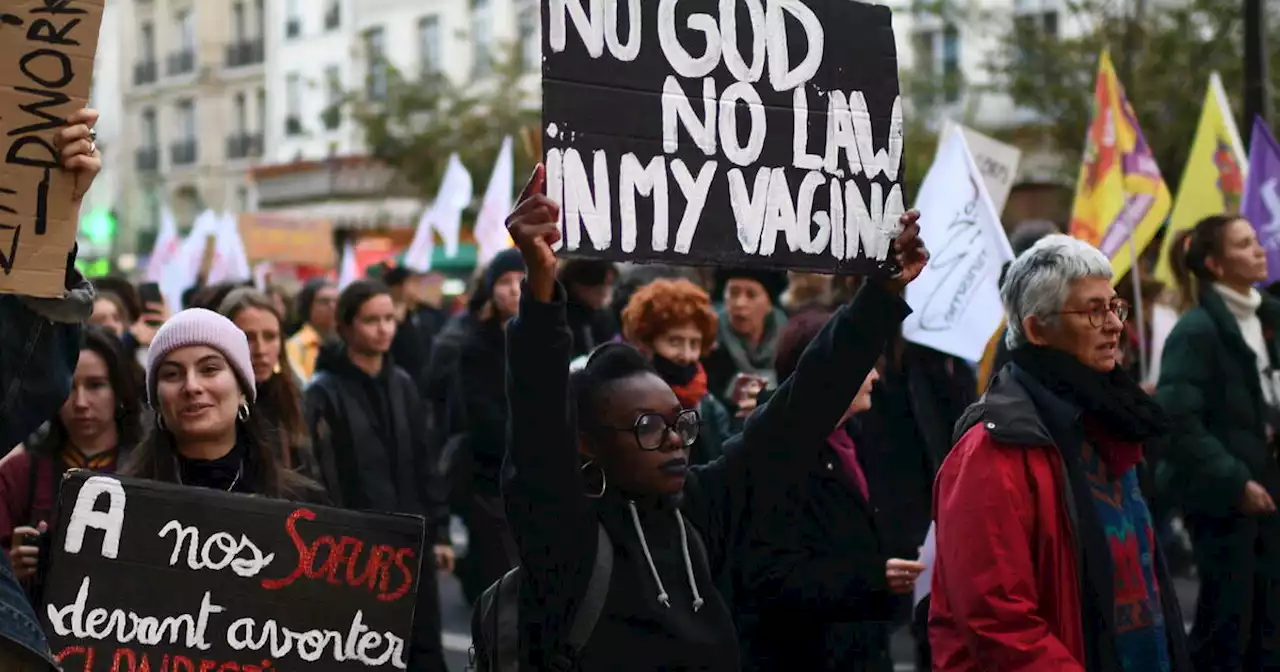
x=200 y=384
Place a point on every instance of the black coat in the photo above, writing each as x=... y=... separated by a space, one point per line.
x=370 y=438
x=555 y=523
x=815 y=595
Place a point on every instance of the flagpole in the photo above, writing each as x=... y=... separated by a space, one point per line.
x=1256 y=89
x=1137 y=304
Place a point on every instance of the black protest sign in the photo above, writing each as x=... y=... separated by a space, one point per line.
x=751 y=133
x=156 y=577
x=46 y=68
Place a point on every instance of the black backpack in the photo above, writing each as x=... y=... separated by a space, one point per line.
x=495 y=623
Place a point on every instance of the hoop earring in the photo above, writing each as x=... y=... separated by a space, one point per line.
x=604 y=481
x=160 y=421
x=243 y=413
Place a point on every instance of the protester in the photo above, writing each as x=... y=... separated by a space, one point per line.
x=97 y=426
x=1219 y=383
x=370 y=434
x=109 y=312
x=279 y=389
x=1046 y=557
x=807 y=291
x=673 y=324
x=206 y=432
x=817 y=572
x=590 y=287
x=418 y=324
x=476 y=426
x=316 y=303
x=617 y=460
x=750 y=323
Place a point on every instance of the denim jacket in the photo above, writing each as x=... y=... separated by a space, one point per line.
x=39 y=348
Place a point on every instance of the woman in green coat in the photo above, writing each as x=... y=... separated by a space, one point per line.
x=1219 y=384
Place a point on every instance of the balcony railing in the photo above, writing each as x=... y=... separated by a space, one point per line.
x=147 y=160
x=244 y=145
x=144 y=73
x=292 y=125
x=244 y=52
x=182 y=62
x=293 y=27
x=331 y=118
x=183 y=152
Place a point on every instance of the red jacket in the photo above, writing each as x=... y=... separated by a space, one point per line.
x=1007 y=590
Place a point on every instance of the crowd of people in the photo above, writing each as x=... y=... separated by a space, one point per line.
x=761 y=455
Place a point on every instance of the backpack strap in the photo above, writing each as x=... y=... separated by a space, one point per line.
x=588 y=612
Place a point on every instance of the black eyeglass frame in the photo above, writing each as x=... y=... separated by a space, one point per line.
x=668 y=428
x=1098 y=314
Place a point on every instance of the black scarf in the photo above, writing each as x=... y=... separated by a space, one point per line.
x=1113 y=399
x=673 y=373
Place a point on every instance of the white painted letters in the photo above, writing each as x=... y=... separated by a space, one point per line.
x=85 y=516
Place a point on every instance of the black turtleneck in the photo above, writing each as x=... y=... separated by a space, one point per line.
x=230 y=473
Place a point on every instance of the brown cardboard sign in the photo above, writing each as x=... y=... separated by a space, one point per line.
x=46 y=69
x=286 y=239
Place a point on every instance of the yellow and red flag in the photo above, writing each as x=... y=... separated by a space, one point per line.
x=1213 y=181
x=1121 y=199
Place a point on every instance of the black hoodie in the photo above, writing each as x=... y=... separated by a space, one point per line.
x=663 y=551
x=371 y=439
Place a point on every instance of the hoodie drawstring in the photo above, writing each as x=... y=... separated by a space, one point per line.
x=663 y=598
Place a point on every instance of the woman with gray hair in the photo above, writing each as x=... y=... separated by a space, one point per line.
x=1046 y=557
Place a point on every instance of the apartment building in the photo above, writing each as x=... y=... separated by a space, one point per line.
x=195 y=101
x=319 y=51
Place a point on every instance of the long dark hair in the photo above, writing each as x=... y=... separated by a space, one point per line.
x=106 y=345
x=280 y=397
x=1190 y=252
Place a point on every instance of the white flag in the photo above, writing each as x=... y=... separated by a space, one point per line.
x=348 y=269
x=183 y=272
x=231 y=263
x=956 y=300
x=491 y=224
x=166 y=246
x=443 y=217
x=996 y=161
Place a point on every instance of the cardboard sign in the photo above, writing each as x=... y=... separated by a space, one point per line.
x=284 y=239
x=46 y=68
x=768 y=135
x=151 y=576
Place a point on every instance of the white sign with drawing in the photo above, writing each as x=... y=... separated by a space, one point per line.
x=956 y=300
x=996 y=161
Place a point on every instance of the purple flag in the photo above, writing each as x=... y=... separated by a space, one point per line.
x=1262 y=194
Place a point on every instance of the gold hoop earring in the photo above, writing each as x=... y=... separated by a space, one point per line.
x=243 y=413
x=604 y=481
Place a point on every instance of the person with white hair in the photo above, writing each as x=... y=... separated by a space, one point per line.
x=1046 y=557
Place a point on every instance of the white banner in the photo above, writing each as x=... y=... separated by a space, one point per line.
x=996 y=161
x=956 y=300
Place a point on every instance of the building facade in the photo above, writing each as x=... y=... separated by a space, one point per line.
x=195 y=108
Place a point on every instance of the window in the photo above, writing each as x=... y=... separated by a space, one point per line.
x=292 y=94
x=429 y=44
x=240 y=113
x=242 y=199
x=332 y=115
x=147 y=34
x=481 y=38
x=187 y=120
x=530 y=38
x=333 y=15
x=150 y=134
x=951 y=79
x=237 y=22
x=375 y=52
x=186 y=30
x=1051 y=24
x=293 y=19
x=260 y=103
x=259 y=18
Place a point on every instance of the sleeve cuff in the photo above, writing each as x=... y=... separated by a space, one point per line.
x=534 y=311
x=874 y=297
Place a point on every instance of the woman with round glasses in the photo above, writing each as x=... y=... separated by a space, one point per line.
x=615 y=458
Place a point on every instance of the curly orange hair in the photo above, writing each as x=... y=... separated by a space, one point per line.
x=667 y=303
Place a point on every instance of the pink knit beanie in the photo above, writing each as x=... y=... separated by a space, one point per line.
x=197 y=326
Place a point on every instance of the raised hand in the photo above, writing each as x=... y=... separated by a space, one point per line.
x=80 y=155
x=534 y=225
x=909 y=252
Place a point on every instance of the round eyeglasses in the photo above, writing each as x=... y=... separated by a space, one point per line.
x=651 y=429
x=1098 y=312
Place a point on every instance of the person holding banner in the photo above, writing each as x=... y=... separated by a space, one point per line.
x=1219 y=382
x=606 y=449
x=41 y=341
x=1046 y=551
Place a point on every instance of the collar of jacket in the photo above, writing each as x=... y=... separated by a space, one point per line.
x=1018 y=410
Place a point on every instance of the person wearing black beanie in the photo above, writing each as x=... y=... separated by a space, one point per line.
x=750 y=323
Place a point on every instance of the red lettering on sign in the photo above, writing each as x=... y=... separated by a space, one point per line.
x=342 y=561
x=85 y=651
